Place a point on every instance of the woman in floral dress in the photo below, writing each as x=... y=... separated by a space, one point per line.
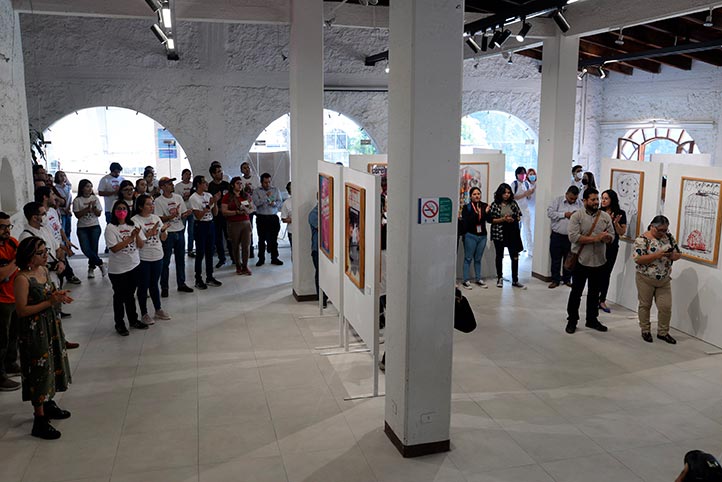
x=43 y=359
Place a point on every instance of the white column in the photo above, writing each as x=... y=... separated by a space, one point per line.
x=306 y=89
x=556 y=138
x=424 y=131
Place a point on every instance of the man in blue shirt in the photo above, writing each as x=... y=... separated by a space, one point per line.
x=267 y=200
x=559 y=211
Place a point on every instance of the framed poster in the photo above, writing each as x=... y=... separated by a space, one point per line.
x=629 y=186
x=473 y=174
x=698 y=228
x=354 y=234
x=325 y=215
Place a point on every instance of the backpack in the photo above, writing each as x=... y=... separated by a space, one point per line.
x=516 y=185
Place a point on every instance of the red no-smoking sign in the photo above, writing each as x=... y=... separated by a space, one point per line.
x=428 y=210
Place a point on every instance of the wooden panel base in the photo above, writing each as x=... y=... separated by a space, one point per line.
x=410 y=451
x=546 y=279
x=302 y=298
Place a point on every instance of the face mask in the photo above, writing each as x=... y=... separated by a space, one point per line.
x=585 y=181
x=521 y=177
x=121 y=215
x=578 y=176
x=532 y=178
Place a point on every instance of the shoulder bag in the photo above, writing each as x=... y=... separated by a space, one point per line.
x=571 y=262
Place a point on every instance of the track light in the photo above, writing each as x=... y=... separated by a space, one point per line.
x=582 y=74
x=561 y=21
x=523 y=32
x=495 y=39
x=602 y=72
x=473 y=45
x=166 y=16
x=159 y=33
x=484 y=43
x=708 y=21
x=329 y=23
x=154 y=5
x=510 y=59
x=503 y=36
x=620 y=39
x=170 y=44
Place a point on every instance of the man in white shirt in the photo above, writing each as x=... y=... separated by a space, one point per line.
x=522 y=190
x=286 y=211
x=108 y=187
x=46 y=197
x=172 y=209
x=183 y=189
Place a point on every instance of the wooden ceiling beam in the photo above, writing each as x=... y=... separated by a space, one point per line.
x=631 y=45
x=621 y=67
x=600 y=51
x=700 y=18
x=655 y=38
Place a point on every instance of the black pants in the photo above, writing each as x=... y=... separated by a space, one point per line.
x=612 y=252
x=221 y=235
x=268 y=226
x=205 y=239
x=8 y=337
x=124 y=286
x=581 y=276
x=559 y=247
x=499 y=245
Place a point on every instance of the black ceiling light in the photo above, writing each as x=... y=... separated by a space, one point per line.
x=708 y=22
x=473 y=45
x=504 y=37
x=524 y=31
x=494 y=42
x=154 y=5
x=484 y=43
x=561 y=21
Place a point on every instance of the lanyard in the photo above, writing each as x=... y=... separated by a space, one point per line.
x=477 y=211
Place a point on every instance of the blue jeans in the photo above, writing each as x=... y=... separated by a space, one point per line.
x=473 y=249
x=174 y=243
x=66 y=222
x=205 y=241
x=88 y=239
x=189 y=224
x=148 y=281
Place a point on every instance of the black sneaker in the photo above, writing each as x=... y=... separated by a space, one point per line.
x=213 y=282
x=191 y=254
x=53 y=412
x=122 y=330
x=201 y=285
x=260 y=263
x=595 y=325
x=220 y=264
x=42 y=429
x=65 y=315
x=164 y=293
x=277 y=262
x=138 y=325
x=571 y=328
x=647 y=336
x=185 y=289
x=668 y=338
x=7 y=385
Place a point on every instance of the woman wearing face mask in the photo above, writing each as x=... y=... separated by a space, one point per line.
x=588 y=181
x=151 y=258
x=86 y=208
x=523 y=190
x=610 y=205
x=505 y=216
x=475 y=215
x=124 y=239
x=654 y=252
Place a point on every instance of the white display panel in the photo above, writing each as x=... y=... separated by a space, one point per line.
x=361 y=162
x=330 y=270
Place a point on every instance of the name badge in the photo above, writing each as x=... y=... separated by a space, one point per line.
x=478 y=229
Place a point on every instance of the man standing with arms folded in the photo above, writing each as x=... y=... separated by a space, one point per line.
x=172 y=209
x=267 y=200
x=589 y=232
x=8 y=320
x=559 y=211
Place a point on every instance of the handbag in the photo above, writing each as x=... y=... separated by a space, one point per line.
x=464 y=319
x=572 y=258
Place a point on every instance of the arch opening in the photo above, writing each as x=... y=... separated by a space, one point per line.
x=640 y=144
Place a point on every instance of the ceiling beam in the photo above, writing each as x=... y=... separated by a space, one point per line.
x=657 y=39
x=587 y=60
x=632 y=46
x=595 y=50
x=650 y=54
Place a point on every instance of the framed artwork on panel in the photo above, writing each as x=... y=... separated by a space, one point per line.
x=629 y=186
x=473 y=174
x=698 y=229
x=354 y=234
x=325 y=215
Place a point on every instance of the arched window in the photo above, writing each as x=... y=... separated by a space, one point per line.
x=342 y=137
x=640 y=144
x=502 y=131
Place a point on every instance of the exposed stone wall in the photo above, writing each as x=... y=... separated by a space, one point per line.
x=15 y=170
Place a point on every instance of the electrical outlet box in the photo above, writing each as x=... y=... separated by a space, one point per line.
x=427 y=417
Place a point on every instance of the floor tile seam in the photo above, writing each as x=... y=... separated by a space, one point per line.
x=283 y=456
x=157 y=469
x=649 y=427
x=631 y=469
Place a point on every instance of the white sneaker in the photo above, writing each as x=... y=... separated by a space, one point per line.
x=466 y=285
x=516 y=284
x=148 y=320
x=91 y=273
x=162 y=315
x=104 y=270
x=481 y=283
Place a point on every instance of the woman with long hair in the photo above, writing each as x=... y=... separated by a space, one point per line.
x=610 y=205
x=64 y=188
x=87 y=209
x=505 y=216
x=475 y=215
x=588 y=181
x=124 y=239
x=204 y=207
x=126 y=192
x=151 y=258
x=236 y=206
x=44 y=362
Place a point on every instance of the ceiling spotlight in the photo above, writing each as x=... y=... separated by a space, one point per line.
x=166 y=16
x=708 y=21
x=523 y=32
x=484 y=43
x=503 y=36
x=329 y=23
x=154 y=5
x=582 y=74
x=602 y=72
x=473 y=45
x=561 y=21
x=620 y=39
x=510 y=59
x=495 y=39
x=159 y=33
x=387 y=69
x=170 y=44
x=173 y=55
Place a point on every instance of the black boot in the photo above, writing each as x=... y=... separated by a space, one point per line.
x=53 y=412
x=43 y=429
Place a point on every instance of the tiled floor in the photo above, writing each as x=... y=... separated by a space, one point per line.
x=232 y=390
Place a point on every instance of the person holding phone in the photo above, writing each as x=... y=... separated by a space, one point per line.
x=151 y=258
x=654 y=252
x=124 y=239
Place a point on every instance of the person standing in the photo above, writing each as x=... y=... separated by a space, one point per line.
x=185 y=188
x=610 y=205
x=124 y=239
x=46 y=197
x=267 y=200
x=43 y=358
x=588 y=181
x=559 y=212
x=171 y=208
x=86 y=208
x=251 y=181
x=523 y=190
x=236 y=206
x=475 y=215
x=64 y=188
x=204 y=207
x=108 y=188
x=589 y=232
x=531 y=177
x=286 y=211
x=577 y=174
x=505 y=216
x=654 y=252
x=220 y=187
x=8 y=320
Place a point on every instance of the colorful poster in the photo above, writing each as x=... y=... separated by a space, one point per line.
x=473 y=175
x=325 y=215
x=698 y=227
x=354 y=235
x=629 y=186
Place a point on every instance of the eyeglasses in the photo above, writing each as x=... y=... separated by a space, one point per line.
x=9 y=227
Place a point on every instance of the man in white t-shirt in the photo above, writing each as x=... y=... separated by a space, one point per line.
x=172 y=209
x=46 y=197
x=183 y=189
x=286 y=217
x=108 y=187
x=522 y=190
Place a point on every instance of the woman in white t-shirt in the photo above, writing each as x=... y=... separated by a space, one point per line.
x=87 y=209
x=185 y=189
x=151 y=258
x=204 y=207
x=124 y=239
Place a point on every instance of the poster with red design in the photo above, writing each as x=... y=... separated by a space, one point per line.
x=325 y=215
x=698 y=233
